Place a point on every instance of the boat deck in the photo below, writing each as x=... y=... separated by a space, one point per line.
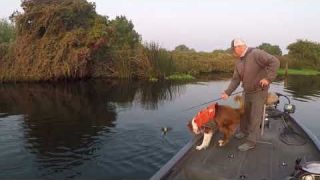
x=271 y=159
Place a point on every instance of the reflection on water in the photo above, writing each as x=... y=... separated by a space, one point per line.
x=110 y=129
x=303 y=88
x=61 y=123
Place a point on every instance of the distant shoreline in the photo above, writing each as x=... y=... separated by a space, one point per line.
x=305 y=72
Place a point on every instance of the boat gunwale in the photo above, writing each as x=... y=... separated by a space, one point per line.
x=165 y=170
x=308 y=132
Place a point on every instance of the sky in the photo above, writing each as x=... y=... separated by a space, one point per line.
x=206 y=25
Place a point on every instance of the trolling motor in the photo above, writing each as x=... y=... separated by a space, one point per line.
x=288 y=108
x=288 y=135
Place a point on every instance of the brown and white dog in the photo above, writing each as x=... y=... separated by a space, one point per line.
x=225 y=118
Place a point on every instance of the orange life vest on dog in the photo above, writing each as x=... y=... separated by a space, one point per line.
x=205 y=115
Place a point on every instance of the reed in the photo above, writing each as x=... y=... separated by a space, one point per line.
x=161 y=61
x=201 y=62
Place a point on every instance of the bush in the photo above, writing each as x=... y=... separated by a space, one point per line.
x=57 y=40
x=161 y=61
x=196 y=63
x=271 y=49
x=7 y=31
x=304 y=54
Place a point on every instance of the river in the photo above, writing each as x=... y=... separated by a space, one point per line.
x=112 y=129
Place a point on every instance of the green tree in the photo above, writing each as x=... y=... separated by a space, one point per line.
x=56 y=39
x=125 y=42
x=306 y=52
x=7 y=31
x=124 y=33
x=7 y=36
x=272 y=49
x=219 y=51
x=183 y=47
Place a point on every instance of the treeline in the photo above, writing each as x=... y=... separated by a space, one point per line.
x=66 y=39
x=302 y=54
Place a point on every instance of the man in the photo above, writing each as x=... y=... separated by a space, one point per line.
x=256 y=69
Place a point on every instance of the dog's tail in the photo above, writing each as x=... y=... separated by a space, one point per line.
x=239 y=100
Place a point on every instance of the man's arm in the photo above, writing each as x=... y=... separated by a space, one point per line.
x=235 y=81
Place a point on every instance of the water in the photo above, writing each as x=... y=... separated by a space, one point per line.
x=112 y=129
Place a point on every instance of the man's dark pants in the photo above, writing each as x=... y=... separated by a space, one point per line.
x=252 y=118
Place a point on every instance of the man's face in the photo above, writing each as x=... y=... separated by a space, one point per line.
x=238 y=50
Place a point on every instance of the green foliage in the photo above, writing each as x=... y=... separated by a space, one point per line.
x=181 y=76
x=124 y=52
x=219 y=51
x=305 y=72
x=183 y=47
x=305 y=53
x=56 y=39
x=196 y=63
x=7 y=31
x=153 y=79
x=160 y=60
x=67 y=39
x=124 y=33
x=7 y=36
x=271 y=49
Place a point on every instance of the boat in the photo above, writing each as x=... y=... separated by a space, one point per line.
x=286 y=150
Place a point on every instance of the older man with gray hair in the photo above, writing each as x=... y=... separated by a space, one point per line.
x=255 y=69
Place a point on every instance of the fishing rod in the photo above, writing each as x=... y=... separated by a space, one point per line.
x=214 y=100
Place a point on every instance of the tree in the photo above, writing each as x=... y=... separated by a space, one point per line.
x=183 y=47
x=7 y=31
x=7 y=36
x=272 y=49
x=219 y=51
x=124 y=33
x=306 y=52
x=57 y=39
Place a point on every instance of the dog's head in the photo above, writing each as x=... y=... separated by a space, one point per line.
x=203 y=117
x=193 y=127
x=197 y=123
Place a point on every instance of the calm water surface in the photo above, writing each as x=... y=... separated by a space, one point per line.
x=112 y=129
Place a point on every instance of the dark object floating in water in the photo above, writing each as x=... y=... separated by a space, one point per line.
x=165 y=130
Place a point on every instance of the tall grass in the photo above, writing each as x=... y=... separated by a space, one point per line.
x=7 y=36
x=122 y=58
x=161 y=61
x=143 y=62
x=201 y=62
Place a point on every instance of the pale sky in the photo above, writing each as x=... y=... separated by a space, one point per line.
x=206 y=25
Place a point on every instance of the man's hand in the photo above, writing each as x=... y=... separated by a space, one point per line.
x=224 y=95
x=264 y=83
